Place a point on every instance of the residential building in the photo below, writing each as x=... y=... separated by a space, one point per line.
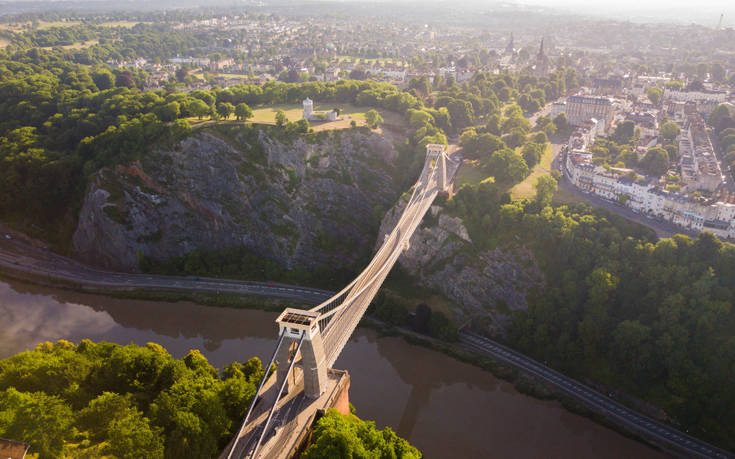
x=582 y=108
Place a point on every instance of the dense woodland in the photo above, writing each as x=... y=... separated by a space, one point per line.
x=131 y=402
x=653 y=318
x=90 y=400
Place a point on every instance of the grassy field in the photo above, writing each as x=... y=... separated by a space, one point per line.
x=527 y=188
x=565 y=197
x=4 y=42
x=470 y=173
x=348 y=113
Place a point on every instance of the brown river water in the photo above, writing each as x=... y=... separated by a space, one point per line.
x=446 y=408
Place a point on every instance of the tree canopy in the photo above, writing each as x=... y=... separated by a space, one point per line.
x=126 y=401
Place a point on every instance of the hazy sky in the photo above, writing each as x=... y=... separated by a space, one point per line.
x=701 y=11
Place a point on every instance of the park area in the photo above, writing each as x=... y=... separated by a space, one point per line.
x=474 y=171
x=347 y=114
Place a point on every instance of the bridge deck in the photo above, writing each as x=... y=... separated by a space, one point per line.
x=295 y=415
x=337 y=319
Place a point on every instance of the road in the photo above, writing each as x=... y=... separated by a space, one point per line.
x=661 y=227
x=664 y=435
x=728 y=184
x=18 y=255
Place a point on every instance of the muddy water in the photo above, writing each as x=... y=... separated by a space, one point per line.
x=446 y=408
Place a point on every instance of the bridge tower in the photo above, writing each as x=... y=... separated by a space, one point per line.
x=438 y=152
x=293 y=324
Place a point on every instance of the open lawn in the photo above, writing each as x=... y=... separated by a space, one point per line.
x=471 y=172
x=563 y=196
x=527 y=188
x=348 y=113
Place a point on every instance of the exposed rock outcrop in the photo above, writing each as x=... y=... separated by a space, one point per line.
x=442 y=257
x=308 y=201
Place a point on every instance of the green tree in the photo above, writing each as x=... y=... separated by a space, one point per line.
x=532 y=153
x=669 y=130
x=103 y=79
x=624 y=132
x=515 y=138
x=654 y=94
x=546 y=186
x=131 y=437
x=718 y=113
x=507 y=165
x=338 y=436
x=225 y=109
x=243 y=111
x=656 y=162
x=169 y=112
x=373 y=118
x=42 y=420
x=198 y=108
x=281 y=118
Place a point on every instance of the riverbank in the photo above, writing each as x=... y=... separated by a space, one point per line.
x=446 y=407
x=524 y=383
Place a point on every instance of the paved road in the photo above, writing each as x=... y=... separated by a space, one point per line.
x=19 y=256
x=662 y=228
x=663 y=434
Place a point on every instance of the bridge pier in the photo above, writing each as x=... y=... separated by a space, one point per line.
x=294 y=323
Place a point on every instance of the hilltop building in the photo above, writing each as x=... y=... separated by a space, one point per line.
x=308 y=108
x=311 y=115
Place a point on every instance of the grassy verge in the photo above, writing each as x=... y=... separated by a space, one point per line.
x=471 y=173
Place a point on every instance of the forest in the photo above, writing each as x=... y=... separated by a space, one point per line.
x=651 y=317
x=131 y=402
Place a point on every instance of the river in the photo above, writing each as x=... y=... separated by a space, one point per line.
x=446 y=408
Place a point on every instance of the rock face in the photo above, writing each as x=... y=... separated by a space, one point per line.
x=442 y=257
x=310 y=200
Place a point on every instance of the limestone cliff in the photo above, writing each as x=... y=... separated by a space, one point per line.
x=441 y=256
x=304 y=200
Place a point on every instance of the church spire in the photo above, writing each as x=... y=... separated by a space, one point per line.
x=511 y=45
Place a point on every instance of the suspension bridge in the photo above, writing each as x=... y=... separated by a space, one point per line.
x=310 y=341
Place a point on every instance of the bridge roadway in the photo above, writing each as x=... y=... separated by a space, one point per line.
x=337 y=318
x=360 y=293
